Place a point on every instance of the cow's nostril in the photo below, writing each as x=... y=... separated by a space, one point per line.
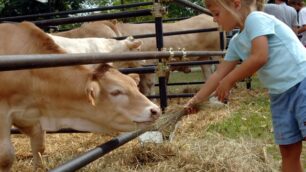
x=154 y=113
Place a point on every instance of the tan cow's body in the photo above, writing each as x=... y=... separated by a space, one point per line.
x=209 y=41
x=196 y=41
x=63 y=97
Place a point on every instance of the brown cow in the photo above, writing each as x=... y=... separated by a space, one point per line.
x=77 y=97
x=209 y=41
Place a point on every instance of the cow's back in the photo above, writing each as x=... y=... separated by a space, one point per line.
x=25 y=38
x=196 y=41
x=104 y=29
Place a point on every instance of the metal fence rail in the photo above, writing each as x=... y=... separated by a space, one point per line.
x=59 y=21
x=170 y=33
x=97 y=152
x=18 y=62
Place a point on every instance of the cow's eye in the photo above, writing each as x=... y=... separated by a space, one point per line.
x=116 y=93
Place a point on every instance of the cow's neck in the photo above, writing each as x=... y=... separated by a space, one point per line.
x=128 y=29
x=84 y=45
x=73 y=78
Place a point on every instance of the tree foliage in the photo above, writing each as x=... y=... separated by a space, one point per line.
x=25 y=7
x=176 y=10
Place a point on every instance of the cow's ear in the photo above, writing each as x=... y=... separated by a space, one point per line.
x=138 y=44
x=135 y=77
x=92 y=92
x=114 y=21
x=134 y=44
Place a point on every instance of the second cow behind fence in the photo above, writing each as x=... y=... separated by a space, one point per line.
x=203 y=41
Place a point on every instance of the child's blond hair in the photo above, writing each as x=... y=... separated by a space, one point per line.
x=246 y=4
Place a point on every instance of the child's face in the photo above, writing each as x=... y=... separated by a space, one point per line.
x=223 y=17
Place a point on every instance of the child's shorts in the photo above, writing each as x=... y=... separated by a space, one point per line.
x=289 y=114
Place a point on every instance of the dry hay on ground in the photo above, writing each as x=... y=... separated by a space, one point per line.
x=193 y=149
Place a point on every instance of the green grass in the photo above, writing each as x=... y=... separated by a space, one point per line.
x=180 y=77
x=175 y=77
x=241 y=125
x=251 y=120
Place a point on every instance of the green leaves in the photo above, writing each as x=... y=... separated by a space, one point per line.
x=176 y=11
x=26 y=7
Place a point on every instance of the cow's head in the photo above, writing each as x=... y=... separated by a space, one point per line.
x=129 y=44
x=118 y=96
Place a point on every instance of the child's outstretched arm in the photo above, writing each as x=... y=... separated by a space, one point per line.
x=227 y=74
x=211 y=84
x=257 y=58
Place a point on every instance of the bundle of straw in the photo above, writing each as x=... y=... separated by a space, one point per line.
x=167 y=122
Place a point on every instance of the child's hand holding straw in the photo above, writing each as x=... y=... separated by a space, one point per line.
x=191 y=107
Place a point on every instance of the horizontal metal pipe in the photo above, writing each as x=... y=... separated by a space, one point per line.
x=97 y=152
x=59 y=21
x=61 y=13
x=172 y=95
x=170 y=33
x=184 y=83
x=164 y=20
x=152 y=21
x=142 y=70
x=19 y=62
x=193 y=6
x=152 y=68
x=194 y=63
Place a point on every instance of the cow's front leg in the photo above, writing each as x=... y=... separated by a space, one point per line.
x=28 y=122
x=7 y=153
x=38 y=145
x=37 y=139
x=206 y=69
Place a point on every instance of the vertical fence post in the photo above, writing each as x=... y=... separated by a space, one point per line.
x=158 y=13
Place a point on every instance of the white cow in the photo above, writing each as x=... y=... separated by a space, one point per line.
x=97 y=99
x=209 y=41
x=89 y=45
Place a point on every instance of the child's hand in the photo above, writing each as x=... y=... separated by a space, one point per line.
x=223 y=90
x=190 y=106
